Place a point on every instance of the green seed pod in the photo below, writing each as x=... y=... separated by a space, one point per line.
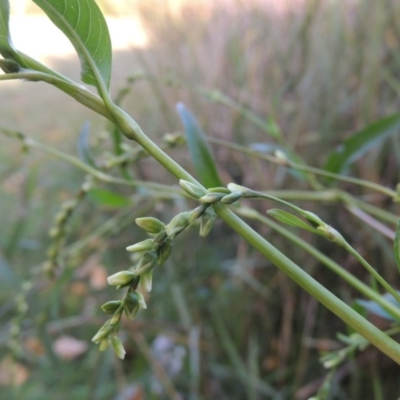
x=231 y=198
x=178 y=224
x=192 y=189
x=111 y=306
x=212 y=197
x=141 y=246
x=207 y=222
x=131 y=304
x=121 y=278
x=164 y=251
x=150 y=224
x=146 y=263
x=118 y=347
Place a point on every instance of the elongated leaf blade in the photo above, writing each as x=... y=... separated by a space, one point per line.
x=6 y=48
x=377 y=309
x=358 y=144
x=396 y=245
x=84 y=25
x=203 y=160
x=290 y=219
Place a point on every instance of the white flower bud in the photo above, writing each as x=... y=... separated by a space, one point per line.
x=120 y=278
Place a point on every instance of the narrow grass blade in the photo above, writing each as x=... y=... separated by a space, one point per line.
x=396 y=245
x=84 y=25
x=358 y=144
x=202 y=159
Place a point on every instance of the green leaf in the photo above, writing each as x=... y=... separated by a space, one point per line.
x=396 y=245
x=355 y=146
x=202 y=159
x=377 y=309
x=290 y=219
x=107 y=198
x=84 y=25
x=6 y=47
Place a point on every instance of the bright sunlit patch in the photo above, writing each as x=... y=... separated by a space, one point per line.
x=36 y=36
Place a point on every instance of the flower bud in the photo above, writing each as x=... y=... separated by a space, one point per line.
x=121 y=278
x=178 y=224
x=313 y=218
x=150 y=225
x=104 y=344
x=219 y=189
x=331 y=234
x=102 y=333
x=231 y=198
x=146 y=280
x=197 y=212
x=133 y=302
x=212 y=197
x=131 y=305
x=118 y=347
x=207 y=222
x=146 y=263
x=236 y=188
x=281 y=157
x=192 y=189
x=141 y=246
x=164 y=251
x=111 y=306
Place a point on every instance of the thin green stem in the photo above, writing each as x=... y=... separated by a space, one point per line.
x=164 y=190
x=305 y=168
x=332 y=265
x=132 y=131
x=78 y=92
x=387 y=345
x=371 y=270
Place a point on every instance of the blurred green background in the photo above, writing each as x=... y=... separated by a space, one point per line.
x=222 y=322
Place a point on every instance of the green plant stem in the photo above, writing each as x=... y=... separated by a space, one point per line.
x=305 y=168
x=332 y=265
x=375 y=336
x=78 y=92
x=371 y=270
x=342 y=243
x=369 y=208
x=387 y=345
x=163 y=190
